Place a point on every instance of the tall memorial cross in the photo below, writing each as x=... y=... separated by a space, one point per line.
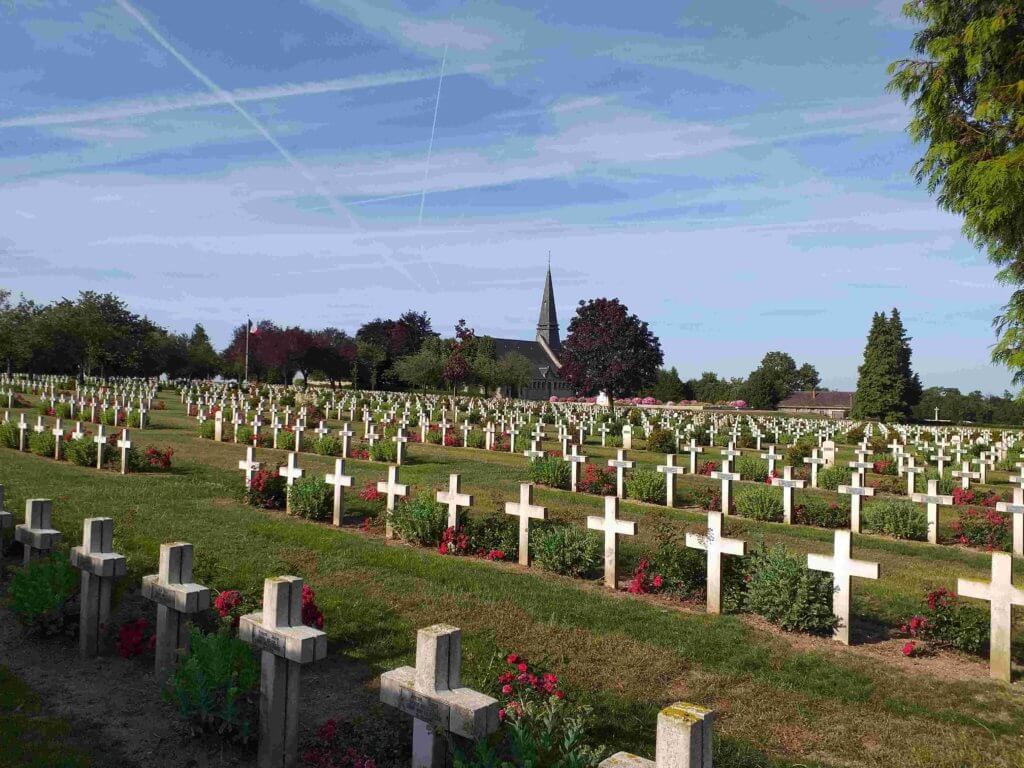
x=176 y=598
x=338 y=481
x=526 y=511
x=670 y=469
x=843 y=567
x=787 y=483
x=620 y=464
x=37 y=534
x=454 y=498
x=715 y=545
x=100 y=567
x=933 y=498
x=1002 y=595
x=393 y=490
x=432 y=693
x=285 y=645
x=612 y=528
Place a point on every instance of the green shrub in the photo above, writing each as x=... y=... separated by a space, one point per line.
x=40 y=592
x=215 y=686
x=311 y=498
x=566 y=549
x=784 y=591
x=62 y=411
x=420 y=520
x=286 y=440
x=9 y=435
x=476 y=439
x=830 y=478
x=494 y=533
x=107 y=417
x=761 y=502
x=661 y=441
x=81 y=452
x=328 y=445
x=752 y=468
x=384 y=451
x=207 y=429
x=551 y=471
x=953 y=624
x=243 y=434
x=434 y=436
x=816 y=510
x=898 y=518
x=795 y=454
x=42 y=443
x=646 y=485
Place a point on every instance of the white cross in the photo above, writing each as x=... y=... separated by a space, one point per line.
x=433 y=695
x=399 y=440
x=575 y=460
x=286 y=643
x=249 y=465
x=715 y=546
x=772 y=457
x=693 y=449
x=787 y=483
x=1016 y=508
x=525 y=511
x=815 y=461
x=670 y=470
x=965 y=475
x=855 y=491
x=37 y=534
x=58 y=439
x=124 y=444
x=346 y=434
x=842 y=567
x=912 y=471
x=454 y=498
x=393 y=489
x=727 y=479
x=620 y=464
x=1001 y=593
x=932 y=499
x=489 y=433
x=291 y=473
x=604 y=434
x=613 y=528
x=535 y=452
x=101 y=443
x=338 y=480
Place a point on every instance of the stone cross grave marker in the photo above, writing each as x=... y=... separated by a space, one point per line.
x=965 y=475
x=932 y=499
x=912 y=471
x=715 y=545
x=693 y=449
x=346 y=434
x=843 y=567
x=1002 y=596
x=100 y=567
x=37 y=534
x=125 y=444
x=535 y=452
x=249 y=465
x=575 y=460
x=855 y=491
x=771 y=456
x=525 y=510
x=58 y=439
x=669 y=469
x=176 y=598
x=815 y=461
x=393 y=490
x=432 y=693
x=684 y=738
x=338 y=481
x=620 y=464
x=399 y=440
x=101 y=444
x=285 y=645
x=612 y=528
x=454 y=498
x=1014 y=508
x=726 y=477
x=6 y=518
x=290 y=472
x=787 y=483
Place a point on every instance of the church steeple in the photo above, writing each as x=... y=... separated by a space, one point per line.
x=547 y=325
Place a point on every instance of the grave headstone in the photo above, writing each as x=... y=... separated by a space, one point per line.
x=100 y=567
x=176 y=598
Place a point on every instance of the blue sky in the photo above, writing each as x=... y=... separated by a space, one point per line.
x=733 y=171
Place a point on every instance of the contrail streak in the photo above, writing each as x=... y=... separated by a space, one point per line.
x=430 y=151
x=141 y=107
x=228 y=99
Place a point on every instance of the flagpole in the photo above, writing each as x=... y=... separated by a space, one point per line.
x=248 y=330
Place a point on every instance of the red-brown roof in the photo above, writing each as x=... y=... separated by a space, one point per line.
x=818 y=400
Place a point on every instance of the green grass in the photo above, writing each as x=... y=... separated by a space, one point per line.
x=28 y=738
x=628 y=657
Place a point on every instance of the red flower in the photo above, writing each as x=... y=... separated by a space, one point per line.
x=909 y=648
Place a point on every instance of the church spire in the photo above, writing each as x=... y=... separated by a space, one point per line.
x=547 y=325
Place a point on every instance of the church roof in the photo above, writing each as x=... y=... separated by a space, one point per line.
x=531 y=350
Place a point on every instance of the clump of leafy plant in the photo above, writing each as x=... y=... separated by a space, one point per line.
x=40 y=592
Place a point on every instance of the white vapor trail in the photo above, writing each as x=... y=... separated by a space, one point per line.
x=227 y=98
x=430 y=151
x=143 y=107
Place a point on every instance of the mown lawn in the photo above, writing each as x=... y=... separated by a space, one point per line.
x=779 y=703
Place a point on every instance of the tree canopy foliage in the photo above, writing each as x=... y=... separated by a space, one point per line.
x=887 y=387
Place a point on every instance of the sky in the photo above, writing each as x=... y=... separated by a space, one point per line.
x=734 y=171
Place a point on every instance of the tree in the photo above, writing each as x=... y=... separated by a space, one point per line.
x=964 y=85
x=807 y=379
x=512 y=372
x=372 y=358
x=669 y=388
x=775 y=379
x=203 y=361
x=609 y=350
x=887 y=388
x=425 y=368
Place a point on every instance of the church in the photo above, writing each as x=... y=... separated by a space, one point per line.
x=542 y=353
